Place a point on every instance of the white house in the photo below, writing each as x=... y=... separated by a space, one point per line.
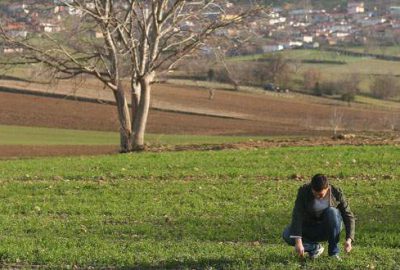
x=293 y=44
x=372 y=22
x=308 y=39
x=272 y=48
x=340 y=28
x=8 y=50
x=50 y=27
x=395 y=11
x=276 y=20
x=355 y=7
x=340 y=35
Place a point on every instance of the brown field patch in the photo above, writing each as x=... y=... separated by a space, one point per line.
x=187 y=110
x=24 y=151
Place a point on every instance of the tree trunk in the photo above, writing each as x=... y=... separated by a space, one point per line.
x=135 y=99
x=124 y=120
x=141 y=113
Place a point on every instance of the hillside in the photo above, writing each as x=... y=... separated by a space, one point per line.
x=319 y=4
x=178 y=109
x=325 y=4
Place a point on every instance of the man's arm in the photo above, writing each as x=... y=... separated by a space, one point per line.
x=348 y=245
x=298 y=246
x=297 y=222
x=298 y=215
x=348 y=217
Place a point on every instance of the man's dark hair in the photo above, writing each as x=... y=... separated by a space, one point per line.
x=319 y=182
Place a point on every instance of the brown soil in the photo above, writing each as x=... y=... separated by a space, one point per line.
x=260 y=114
x=23 y=151
x=29 y=110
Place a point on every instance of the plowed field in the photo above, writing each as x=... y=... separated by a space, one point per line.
x=187 y=110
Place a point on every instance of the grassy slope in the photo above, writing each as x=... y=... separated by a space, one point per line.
x=360 y=65
x=387 y=50
x=223 y=209
x=378 y=103
x=17 y=135
x=366 y=68
x=300 y=54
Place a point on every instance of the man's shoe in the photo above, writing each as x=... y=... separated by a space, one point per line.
x=336 y=257
x=316 y=252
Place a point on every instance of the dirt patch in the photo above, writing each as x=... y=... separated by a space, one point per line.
x=265 y=115
x=359 y=140
x=187 y=110
x=23 y=151
x=28 y=110
x=19 y=151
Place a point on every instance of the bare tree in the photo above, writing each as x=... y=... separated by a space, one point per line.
x=349 y=88
x=311 y=77
x=129 y=40
x=279 y=70
x=229 y=70
x=392 y=121
x=336 y=120
x=297 y=64
x=384 y=86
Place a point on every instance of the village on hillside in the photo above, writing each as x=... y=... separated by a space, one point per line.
x=279 y=29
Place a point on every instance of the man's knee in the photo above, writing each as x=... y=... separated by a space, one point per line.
x=332 y=212
x=332 y=215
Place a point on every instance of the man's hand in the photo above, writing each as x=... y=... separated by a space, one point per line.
x=347 y=245
x=299 y=247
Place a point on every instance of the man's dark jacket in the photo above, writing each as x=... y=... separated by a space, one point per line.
x=304 y=214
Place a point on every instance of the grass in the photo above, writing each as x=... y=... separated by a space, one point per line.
x=384 y=50
x=300 y=54
x=202 y=210
x=379 y=103
x=366 y=68
x=18 y=135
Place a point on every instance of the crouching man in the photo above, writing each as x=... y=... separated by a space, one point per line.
x=317 y=216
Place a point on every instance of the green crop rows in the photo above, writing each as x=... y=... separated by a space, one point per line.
x=191 y=210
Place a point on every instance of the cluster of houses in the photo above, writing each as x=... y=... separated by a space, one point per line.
x=312 y=28
x=280 y=29
x=24 y=17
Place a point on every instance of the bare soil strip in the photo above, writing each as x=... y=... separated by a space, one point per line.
x=28 y=110
x=90 y=97
x=18 y=151
x=259 y=114
x=24 y=151
x=377 y=139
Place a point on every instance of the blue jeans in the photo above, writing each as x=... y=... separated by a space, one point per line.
x=328 y=229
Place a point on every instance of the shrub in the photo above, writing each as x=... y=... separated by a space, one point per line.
x=347 y=88
x=348 y=97
x=311 y=77
x=384 y=86
x=329 y=88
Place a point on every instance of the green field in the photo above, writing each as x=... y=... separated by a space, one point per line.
x=18 y=135
x=366 y=68
x=353 y=65
x=191 y=210
x=300 y=54
x=384 y=50
x=378 y=103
